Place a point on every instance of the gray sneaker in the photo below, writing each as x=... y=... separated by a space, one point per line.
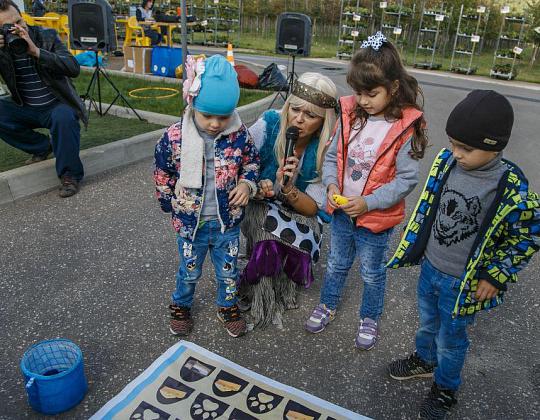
x=320 y=318
x=366 y=337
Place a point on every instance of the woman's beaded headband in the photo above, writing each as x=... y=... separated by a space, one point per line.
x=313 y=95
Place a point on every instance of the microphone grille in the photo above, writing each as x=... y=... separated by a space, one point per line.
x=292 y=132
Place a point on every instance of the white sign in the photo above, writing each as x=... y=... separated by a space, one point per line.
x=537 y=30
x=481 y=9
x=356 y=17
x=354 y=33
x=204 y=22
x=397 y=31
x=475 y=38
x=439 y=18
x=383 y=4
x=216 y=1
x=517 y=50
x=505 y=9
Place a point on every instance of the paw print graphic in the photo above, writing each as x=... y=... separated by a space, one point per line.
x=146 y=411
x=207 y=410
x=260 y=401
x=146 y=415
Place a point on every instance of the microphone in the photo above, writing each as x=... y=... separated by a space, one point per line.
x=291 y=136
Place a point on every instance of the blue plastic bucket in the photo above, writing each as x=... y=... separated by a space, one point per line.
x=54 y=375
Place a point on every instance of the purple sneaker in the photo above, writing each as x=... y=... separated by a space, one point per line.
x=366 y=337
x=320 y=318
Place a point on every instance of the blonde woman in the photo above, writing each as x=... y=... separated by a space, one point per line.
x=283 y=224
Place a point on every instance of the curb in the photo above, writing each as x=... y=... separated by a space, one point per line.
x=28 y=181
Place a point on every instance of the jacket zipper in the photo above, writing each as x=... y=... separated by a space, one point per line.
x=387 y=149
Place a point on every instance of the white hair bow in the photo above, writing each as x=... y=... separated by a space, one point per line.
x=374 y=41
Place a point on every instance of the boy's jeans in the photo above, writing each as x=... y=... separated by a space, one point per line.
x=441 y=338
x=223 y=252
x=346 y=241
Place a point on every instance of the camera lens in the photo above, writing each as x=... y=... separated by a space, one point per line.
x=17 y=45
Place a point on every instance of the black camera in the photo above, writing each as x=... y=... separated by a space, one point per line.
x=14 y=43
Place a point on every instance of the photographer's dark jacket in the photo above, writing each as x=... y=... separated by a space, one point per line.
x=55 y=66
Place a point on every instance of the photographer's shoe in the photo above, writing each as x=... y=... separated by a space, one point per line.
x=70 y=186
x=39 y=158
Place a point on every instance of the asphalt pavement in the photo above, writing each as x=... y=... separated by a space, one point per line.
x=98 y=269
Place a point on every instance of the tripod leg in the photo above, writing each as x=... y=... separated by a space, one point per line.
x=118 y=95
x=91 y=87
x=289 y=83
x=100 y=112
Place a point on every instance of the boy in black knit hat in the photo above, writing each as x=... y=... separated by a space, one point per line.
x=475 y=226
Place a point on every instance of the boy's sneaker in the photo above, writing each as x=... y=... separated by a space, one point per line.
x=320 y=318
x=234 y=323
x=438 y=403
x=366 y=337
x=411 y=367
x=180 y=323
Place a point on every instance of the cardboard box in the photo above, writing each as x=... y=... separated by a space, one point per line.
x=129 y=65
x=143 y=60
x=138 y=59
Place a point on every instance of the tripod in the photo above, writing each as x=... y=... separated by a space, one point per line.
x=286 y=87
x=91 y=87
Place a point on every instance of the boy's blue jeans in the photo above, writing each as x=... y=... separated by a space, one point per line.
x=223 y=249
x=441 y=338
x=346 y=242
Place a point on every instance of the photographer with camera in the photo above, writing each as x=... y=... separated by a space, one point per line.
x=37 y=68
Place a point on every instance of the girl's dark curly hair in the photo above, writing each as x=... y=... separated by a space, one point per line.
x=370 y=69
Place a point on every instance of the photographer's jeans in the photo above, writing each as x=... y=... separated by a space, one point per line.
x=346 y=242
x=223 y=248
x=17 y=124
x=441 y=338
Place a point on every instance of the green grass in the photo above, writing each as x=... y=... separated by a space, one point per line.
x=100 y=131
x=168 y=106
x=109 y=128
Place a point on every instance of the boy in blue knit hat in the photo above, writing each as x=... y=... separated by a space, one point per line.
x=206 y=168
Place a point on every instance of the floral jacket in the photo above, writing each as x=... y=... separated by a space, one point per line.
x=508 y=237
x=236 y=160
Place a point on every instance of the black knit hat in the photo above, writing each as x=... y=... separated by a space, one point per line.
x=482 y=120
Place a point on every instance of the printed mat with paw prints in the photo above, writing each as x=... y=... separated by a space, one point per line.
x=188 y=382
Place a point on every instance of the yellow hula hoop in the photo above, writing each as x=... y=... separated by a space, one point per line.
x=170 y=95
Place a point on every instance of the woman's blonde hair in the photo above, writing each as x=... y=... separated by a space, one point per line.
x=323 y=83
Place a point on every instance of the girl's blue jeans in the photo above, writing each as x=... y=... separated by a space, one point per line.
x=441 y=338
x=346 y=242
x=223 y=249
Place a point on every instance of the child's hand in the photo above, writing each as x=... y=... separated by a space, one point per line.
x=289 y=170
x=332 y=189
x=485 y=291
x=265 y=189
x=355 y=207
x=240 y=195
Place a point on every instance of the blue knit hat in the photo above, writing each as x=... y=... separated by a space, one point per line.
x=220 y=91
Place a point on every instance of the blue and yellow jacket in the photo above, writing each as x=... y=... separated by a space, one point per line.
x=508 y=236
